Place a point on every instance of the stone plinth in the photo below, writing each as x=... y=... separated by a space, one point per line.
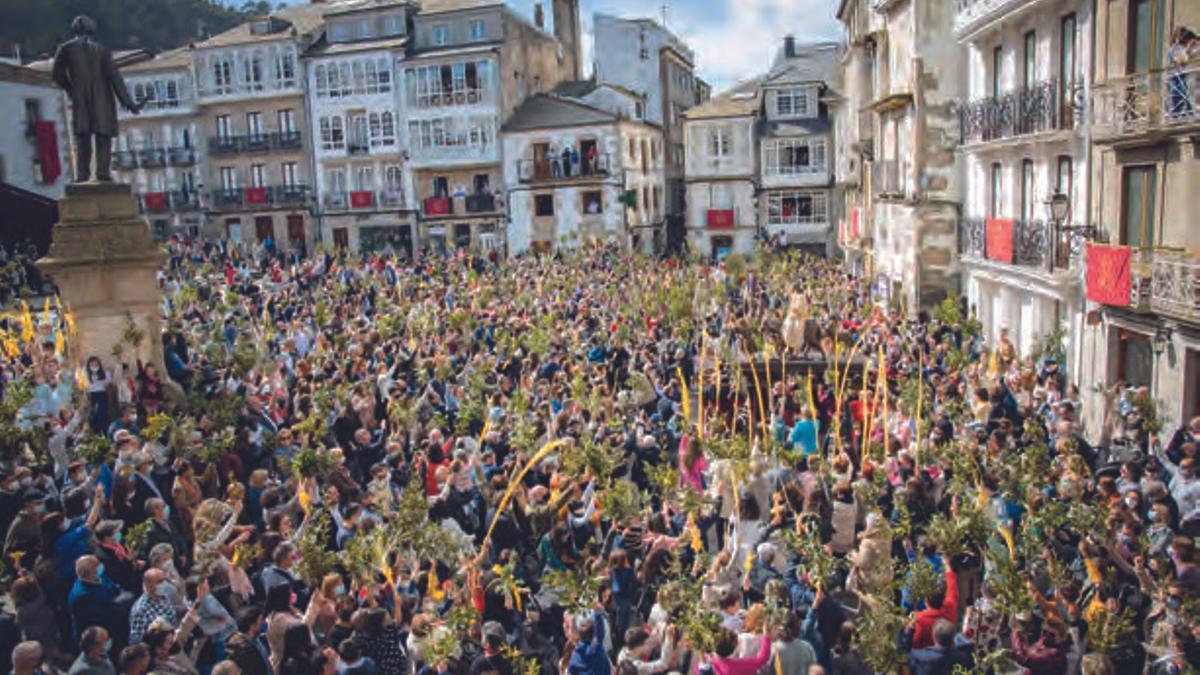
x=105 y=262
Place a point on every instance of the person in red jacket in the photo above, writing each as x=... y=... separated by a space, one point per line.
x=943 y=605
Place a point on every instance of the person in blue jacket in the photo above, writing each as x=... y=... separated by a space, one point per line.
x=589 y=657
x=91 y=598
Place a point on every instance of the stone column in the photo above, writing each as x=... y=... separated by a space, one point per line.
x=105 y=265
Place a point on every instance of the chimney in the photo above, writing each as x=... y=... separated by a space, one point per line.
x=789 y=46
x=539 y=16
x=566 y=29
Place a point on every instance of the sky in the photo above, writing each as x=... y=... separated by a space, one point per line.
x=733 y=39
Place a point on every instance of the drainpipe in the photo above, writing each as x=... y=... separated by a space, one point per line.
x=1088 y=166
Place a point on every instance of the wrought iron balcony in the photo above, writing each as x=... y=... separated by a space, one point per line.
x=224 y=145
x=181 y=156
x=392 y=199
x=227 y=199
x=1159 y=101
x=358 y=147
x=286 y=140
x=291 y=195
x=184 y=200
x=1166 y=281
x=258 y=142
x=1045 y=107
x=1032 y=244
x=150 y=158
x=547 y=170
x=337 y=200
x=480 y=203
x=124 y=160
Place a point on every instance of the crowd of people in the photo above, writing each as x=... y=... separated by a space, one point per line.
x=591 y=462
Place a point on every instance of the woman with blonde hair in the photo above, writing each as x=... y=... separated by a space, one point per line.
x=322 y=607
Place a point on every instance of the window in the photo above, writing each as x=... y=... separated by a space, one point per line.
x=791 y=156
x=791 y=103
x=258 y=176
x=224 y=127
x=339 y=31
x=228 y=178
x=321 y=77
x=289 y=171
x=333 y=133
x=1145 y=35
x=393 y=24
x=364 y=178
x=1028 y=198
x=797 y=208
x=1064 y=180
x=441 y=34
x=718 y=142
x=393 y=176
x=543 y=205
x=481 y=183
x=222 y=75
x=1137 y=205
x=478 y=30
x=1066 y=55
x=383 y=72
x=1135 y=358
x=254 y=124
x=359 y=136
x=441 y=186
x=593 y=202
x=337 y=180
x=997 y=69
x=997 y=190
x=366 y=29
x=1030 y=62
x=252 y=72
x=285 y=69
x=286 y=120
x=383 y=129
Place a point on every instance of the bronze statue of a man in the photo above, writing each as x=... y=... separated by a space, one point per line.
x=86 y=71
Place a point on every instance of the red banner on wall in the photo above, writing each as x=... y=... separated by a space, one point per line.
x=855 y=228
x=361 y=199
x=155 y=201
x=720 y=218
x=256 y=195
x=47 y=147
x=999 y=239
x=1108 y=276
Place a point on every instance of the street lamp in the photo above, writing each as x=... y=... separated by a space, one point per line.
x=1162 y=336
x=1059 y=206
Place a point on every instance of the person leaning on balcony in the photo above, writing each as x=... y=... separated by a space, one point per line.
x=555 y=167
x=1184 y=47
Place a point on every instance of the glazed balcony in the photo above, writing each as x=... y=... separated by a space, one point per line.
x=1147 y=104
x=1034 y=245
x=1045 y=107
x=546 y=171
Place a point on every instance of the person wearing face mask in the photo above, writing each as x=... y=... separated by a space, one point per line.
x=162 y=530
x=245 y=647
x=151 y=605
x=93 y=596
x=98 y=381
x=94 y=646
x=24 y=536
x=28 y=658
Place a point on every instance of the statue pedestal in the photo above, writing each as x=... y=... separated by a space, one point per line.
x=105 y=264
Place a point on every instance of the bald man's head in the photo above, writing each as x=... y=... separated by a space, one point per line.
x=87 y=568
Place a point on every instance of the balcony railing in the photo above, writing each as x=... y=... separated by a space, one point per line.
x=1032 y=244
x=546 y=170
x=972 y=13
x=181 y=156
x=150 y=158
x=1041 y=108
x=224 y=145
x=337 y=200
x=290 y=195
x=184 y=200
x=1166 y=281
x=124 y=160
x=1146 y=102
x=286 y=140
x=438 y=206
x=227 y=199
x=392 y=199
x=358 y=147
x=480 y=203
x=256 y=142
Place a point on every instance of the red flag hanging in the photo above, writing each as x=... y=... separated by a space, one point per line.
x=999 y=239
x=361 y=199
x=47 y=146
x=1108 y=274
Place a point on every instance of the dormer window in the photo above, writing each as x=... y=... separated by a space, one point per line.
x=339 y=31
x=478 y=30
x=791 y=103
x=441 y=35
x=393 y=24
x=260 y=27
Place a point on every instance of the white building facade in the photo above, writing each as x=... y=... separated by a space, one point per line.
x=579 y=173
x=359 y=143
x=1024 y=140
x=721 y=173
x=35 y=144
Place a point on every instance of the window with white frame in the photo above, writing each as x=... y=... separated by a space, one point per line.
x=793 y=156
x=718 y=141
x=451 y=132
x=449 y=84
x=478 y=30
x=222 y=75
x=797 y=207
x=393 y=176
x=359 y=136
x=337 y=180
x=333 y=133
x=285 y=69
x=383 y=129
x=364 y=178
x=321 y=81
x=252 y=71
x=791 y=102
x=229 y=178
x=258 y=176
x=441 y=34
x=393 y=24
x=286 y=120
x=339 y=31
x=289 y=172
x=366 y=29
